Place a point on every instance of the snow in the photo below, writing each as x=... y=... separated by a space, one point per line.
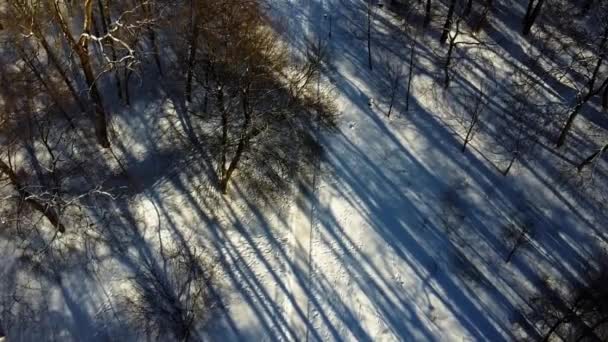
x=395 y=236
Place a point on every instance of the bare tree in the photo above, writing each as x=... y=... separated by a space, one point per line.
x=195 y=9
x=31 y=13
x=246 y=69
x=172 y=297
x=16 y=124
x=577 y=312
x=410 y=76
x=592 y=158
x=483 y=16
x=523 y=120
x=458 y=38
x=150 y=15
x=448 y=60
x=474 y=105
x=518 y=234
x=447 y=26
x=394 y=75
x=592 y=88
x=44 y=208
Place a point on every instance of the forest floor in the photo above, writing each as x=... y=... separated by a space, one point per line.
x=400 y=235
x=394 y=235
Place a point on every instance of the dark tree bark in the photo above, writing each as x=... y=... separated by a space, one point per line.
x=470 y=131
x=532 y=13
x=148 y=11
x=605 y=98
x=427 y=14
x=57 y=64
x=193 y=47
x=447 y=26
x=81 y=47
x=104 y=15
x=410 y=77
x=128 y=73
x=31 y=62
x=483 y=17
x=224 y=140
x=52 y=57
x=511 y=163
x=242 y=145
x=448 y=59
x=467 y=8
x=394 y=88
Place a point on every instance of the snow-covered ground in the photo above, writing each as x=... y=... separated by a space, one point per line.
x=400 y=236
x=396 y=235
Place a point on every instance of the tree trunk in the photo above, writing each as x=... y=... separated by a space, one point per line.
x=568 y=126
x=105 y=21
x=30 y=199
x=52 y=57
x=152 y=35
x=467 y=9
x=591 y=91
x=193 y=48
x=447 y=26
x=224 y=141
x=448 y=60
x=81 y=47
x=520 y=239
x=529 y=9
x=575 y=111
x=446 y=66
x=467 y=138
x=410 y=76
x=605 y=98
x=243 y=142
x=483 y=18
x=393 y=93
x=51 y=91
x=531 y=14
x=101 y=128
x=427 y=14
x=128 y=74
x=511 y=163
x=511 y=253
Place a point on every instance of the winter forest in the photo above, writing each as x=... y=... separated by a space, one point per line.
x=303 y=170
